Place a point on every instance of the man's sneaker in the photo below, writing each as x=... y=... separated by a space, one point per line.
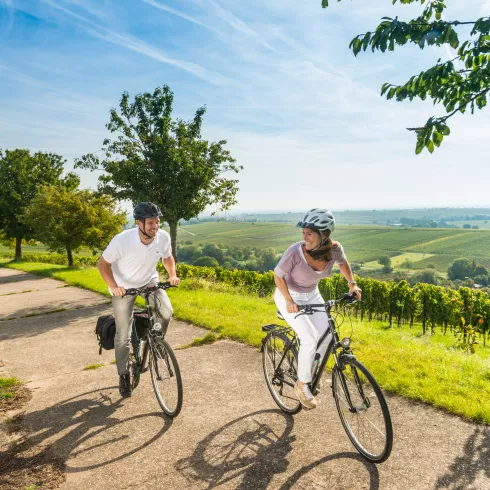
x=125 y=385
x=304 y=395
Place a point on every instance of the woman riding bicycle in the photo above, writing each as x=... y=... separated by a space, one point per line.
x=297 y=275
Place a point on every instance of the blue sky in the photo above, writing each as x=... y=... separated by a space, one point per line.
x=300 y=112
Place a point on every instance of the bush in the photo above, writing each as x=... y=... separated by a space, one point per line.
x=206 y=261
x=426 y=276
x=55 y=258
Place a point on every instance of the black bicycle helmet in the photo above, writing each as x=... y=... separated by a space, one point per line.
x=145 y=210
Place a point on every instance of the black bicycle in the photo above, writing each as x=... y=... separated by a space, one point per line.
x=360 y=403
x=151 y=351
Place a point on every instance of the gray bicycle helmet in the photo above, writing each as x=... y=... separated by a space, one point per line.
x=317 y=219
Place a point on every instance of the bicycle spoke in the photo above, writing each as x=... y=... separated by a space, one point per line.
x=279 y=363
x=165 y=376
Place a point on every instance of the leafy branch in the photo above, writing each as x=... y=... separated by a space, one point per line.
x=445 y=83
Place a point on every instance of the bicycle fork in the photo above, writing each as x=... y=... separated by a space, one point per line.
x=352 y=408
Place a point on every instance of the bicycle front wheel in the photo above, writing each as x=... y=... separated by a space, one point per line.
x=165 y=377
x=363 y=410
x=281 y=371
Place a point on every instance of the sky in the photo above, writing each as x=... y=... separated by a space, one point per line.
x=301 y=114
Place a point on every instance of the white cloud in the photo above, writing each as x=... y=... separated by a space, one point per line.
x=176 y=12
x=134 y=44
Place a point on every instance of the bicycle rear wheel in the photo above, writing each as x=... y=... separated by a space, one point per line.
x=368 y=422
x=165 y=377
x=281 y=376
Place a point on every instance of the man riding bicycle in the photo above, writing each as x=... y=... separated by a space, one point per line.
x=130 y=261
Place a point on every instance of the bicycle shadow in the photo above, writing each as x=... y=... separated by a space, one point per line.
x=250 y=451
x=92 y=434
x=370 y=467
x=475 y=459
x=252 y=447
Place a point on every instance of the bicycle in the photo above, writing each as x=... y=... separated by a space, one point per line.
x=150 y=350
x=360 y=403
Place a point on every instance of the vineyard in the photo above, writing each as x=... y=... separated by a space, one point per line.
x=361 y=243
x=461 y=311
x=465 y=311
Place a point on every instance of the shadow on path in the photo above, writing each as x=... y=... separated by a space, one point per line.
x=248 y=452
x=39 y=324
x=464 y=471
x=371 y=468
x=252 y=448
x=85 y=424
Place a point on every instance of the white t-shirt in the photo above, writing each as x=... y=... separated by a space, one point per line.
x=133 y=263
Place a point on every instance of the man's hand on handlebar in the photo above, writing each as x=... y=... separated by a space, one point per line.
x=174 y=280
x=118 y=291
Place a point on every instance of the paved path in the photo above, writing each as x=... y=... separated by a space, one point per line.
x=229 y=434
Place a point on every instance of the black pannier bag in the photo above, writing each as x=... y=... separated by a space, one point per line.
x=142 y=323
x=105 y=331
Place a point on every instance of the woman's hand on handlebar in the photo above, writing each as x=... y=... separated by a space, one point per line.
x=356 y=290
x=291 y=307
x=118 y=291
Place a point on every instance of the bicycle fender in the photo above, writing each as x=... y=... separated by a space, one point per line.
x=343 y=357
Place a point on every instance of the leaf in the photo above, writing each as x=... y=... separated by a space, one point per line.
x=430 y=146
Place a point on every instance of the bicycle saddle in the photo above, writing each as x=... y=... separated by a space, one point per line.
x=279 y=315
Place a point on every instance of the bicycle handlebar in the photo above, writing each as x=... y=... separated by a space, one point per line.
x=149 y=289
x=347 y=298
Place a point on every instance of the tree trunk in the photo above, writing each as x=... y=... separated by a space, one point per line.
x=70 y=257
x=390 y=314
x=18 y=248
x=173 y=238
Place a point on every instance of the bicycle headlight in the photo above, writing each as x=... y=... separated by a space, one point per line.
x=345 y=342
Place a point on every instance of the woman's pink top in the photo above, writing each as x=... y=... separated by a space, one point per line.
x=299 y=276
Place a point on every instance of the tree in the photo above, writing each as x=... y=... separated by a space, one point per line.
x=70 y=219
x=21 y=176
x=458 y=84
x=212 y=250
x=163 y=160
x=460 y=269
x=427 y=276
x=467 y=226
x=385 y=261
x=266 y=259
x=206 y=261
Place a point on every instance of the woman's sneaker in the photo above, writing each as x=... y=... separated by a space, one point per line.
x=304 y=395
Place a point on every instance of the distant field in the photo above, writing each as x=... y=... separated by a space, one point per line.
x=422 y=246
x=482 y=224
x=370 y=216
x=362 y=243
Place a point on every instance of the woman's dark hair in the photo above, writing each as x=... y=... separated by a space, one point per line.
x=324 y=250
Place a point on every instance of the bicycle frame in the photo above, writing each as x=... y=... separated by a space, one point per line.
x=332 y=349
x=141 y=361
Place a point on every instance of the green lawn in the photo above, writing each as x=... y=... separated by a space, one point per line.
x=420 y=367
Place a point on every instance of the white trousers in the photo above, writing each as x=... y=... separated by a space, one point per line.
x=308 y=328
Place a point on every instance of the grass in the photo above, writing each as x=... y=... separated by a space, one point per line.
x=423 y=368
x=209 y=338
x=58 y=310
x=6 y=383
x=93 y=366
